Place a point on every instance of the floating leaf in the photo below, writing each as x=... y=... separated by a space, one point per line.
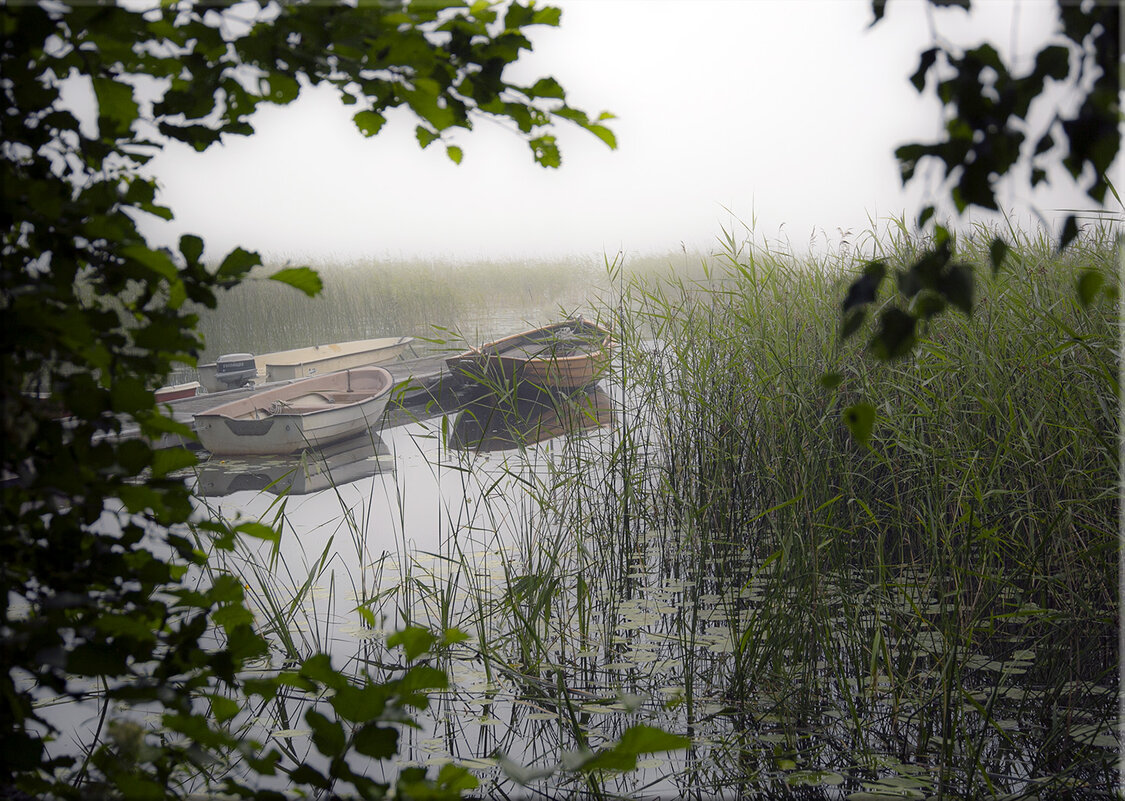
x=814 y=778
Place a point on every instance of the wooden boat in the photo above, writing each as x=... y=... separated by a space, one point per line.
x=229 y=371
x=312 y=412
x=177 y=392
x=567 y=355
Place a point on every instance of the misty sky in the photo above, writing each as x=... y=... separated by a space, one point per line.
x=778 y=115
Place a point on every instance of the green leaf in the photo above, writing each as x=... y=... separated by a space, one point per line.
x=957 y=284
x=603 y=133
x=117 y=110
x=997 y=252
x=425 y=136
x=259 y=531
x=360 y=704
x=281 y=89
x=369 y=123
x=864 y=289
x=303 y=278
x=879 y=8
x=165 y=460
x=318 y=667
x=223 y=708
x=924 y=63
x=927 y=304
x=456 y=780
x=1053 y=62
x=1069 y=232
x=377 y=742
x=831 y=380
x=237 y=263
x=860 y=419
x=853 y=320
x=454 y=153
x=1090 y=283
x=129 y=394
x=156 y=260
x=644 y=739
x=547 y=87
x=453 y=635
x=306 y=774
x=327 y=735
x=192 y=247
x=546 y=151
x=548 y=15
x=895 y=336
x=414 y=640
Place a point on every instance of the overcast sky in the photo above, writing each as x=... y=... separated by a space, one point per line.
x=778 y=113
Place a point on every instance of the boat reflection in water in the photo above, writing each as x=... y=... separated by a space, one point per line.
x=299 y=474
x=528 y=416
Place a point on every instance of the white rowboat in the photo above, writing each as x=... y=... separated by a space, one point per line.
x=309 y=413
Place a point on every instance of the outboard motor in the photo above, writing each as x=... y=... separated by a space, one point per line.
x=235 y=369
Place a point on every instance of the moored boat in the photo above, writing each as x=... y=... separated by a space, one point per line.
x=177 y=392
x=567 y=355
x=236 y=369
x=312 y=412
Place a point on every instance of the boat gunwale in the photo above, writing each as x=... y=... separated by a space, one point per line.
x=254 y=402
x=494 y=350
x=389 y=343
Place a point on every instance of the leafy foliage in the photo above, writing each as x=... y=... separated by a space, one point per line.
x=93 y=557
x=989 y=125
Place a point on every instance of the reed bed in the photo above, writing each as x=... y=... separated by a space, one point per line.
x=934 y=614
x=364 y=300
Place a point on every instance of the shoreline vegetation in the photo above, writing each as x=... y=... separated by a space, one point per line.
x=932 y=614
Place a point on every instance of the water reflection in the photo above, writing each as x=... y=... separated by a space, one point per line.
x=302 y=474
x=527 y=416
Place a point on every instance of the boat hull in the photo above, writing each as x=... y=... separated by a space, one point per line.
x=287 y=365
x=305 y=414
x=569 y=355
x=177 y=392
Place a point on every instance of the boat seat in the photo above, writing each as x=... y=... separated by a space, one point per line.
x=313 y=402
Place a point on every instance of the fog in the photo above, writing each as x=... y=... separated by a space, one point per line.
x=775 y=117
